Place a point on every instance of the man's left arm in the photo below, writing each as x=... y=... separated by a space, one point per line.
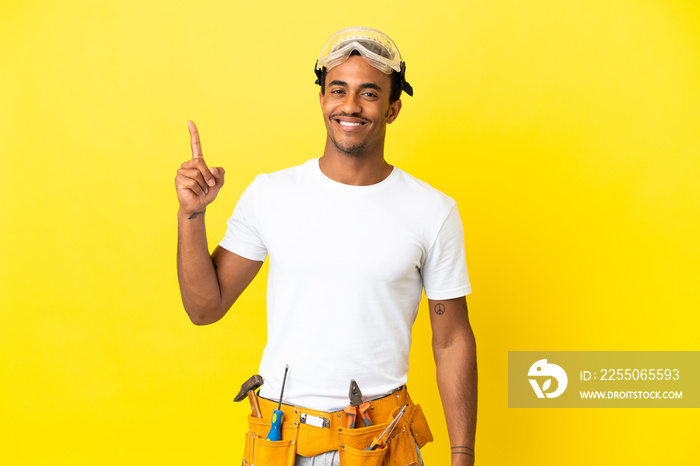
x=454 y=349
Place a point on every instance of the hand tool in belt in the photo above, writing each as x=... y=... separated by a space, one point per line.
x=378 y=442
x=275 y=433
x=248 y=388
x=357 y=406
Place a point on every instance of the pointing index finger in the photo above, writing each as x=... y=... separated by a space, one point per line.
x=194 y=140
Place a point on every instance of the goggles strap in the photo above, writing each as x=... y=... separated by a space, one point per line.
x=407 y=88
x=319 y=73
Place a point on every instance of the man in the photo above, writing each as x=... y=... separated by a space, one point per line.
x=352 y=241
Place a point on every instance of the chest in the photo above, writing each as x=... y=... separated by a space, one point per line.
x=379 y=241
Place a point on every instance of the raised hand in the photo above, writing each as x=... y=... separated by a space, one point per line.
x=197 y=186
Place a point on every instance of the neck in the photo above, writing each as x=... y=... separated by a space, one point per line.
x=357 y=170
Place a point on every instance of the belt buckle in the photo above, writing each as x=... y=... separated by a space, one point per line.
x=316 y=421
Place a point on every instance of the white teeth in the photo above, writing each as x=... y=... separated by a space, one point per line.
x=347 y=123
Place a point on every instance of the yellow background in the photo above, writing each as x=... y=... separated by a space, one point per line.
x=567 y=131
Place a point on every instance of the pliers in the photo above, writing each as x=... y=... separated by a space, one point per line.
x=357 y=407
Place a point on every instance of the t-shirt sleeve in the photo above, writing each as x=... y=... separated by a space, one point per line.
x=242 y=233
x=445 y=268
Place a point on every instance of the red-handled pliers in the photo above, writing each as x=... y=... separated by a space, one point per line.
x=357 y=407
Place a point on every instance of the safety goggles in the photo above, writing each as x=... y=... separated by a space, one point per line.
x=374 y=46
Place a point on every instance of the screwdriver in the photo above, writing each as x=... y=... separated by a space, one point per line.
x=378 y=442
x=275 y=433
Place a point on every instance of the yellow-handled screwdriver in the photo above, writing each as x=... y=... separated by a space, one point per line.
x=378 y=442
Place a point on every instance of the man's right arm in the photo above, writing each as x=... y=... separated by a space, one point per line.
x=209 y=285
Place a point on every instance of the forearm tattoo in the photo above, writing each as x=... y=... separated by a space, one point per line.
x=463 y=451
x=194 y=215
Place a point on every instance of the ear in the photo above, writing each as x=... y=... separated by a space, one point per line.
x=320 y=98
x=393 y=112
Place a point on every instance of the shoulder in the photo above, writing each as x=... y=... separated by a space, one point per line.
x=422 y=193
x=288 y=176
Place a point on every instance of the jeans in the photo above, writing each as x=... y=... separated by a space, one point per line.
x=324 y=459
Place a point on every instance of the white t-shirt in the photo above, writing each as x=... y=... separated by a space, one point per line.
x=347 y=267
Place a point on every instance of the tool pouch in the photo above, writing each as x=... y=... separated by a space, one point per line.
x=354 y=441
x=262 y=452
x=398 y=450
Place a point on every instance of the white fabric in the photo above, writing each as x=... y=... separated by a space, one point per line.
x=347 y=266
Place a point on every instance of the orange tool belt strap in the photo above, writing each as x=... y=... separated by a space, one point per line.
x=308 y=432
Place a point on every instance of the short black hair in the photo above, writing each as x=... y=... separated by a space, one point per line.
x=396 y=82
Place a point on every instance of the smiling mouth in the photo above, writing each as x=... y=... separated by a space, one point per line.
x=349 y=125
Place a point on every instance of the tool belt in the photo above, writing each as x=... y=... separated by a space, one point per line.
x=308 y=432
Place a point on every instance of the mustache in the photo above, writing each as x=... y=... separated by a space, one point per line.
x=349 y=115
